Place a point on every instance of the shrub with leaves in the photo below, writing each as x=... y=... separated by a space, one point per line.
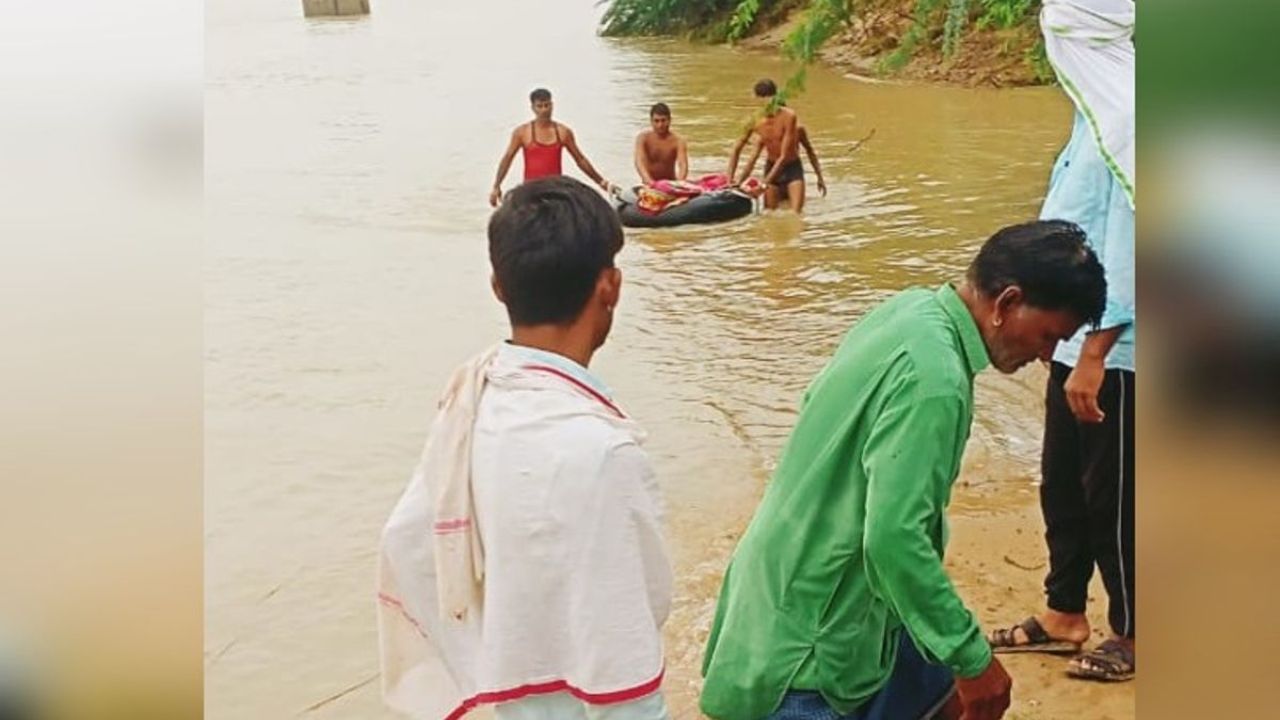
x=1005 y=14
x=931 y=20
x=918 y=31
x=662 y=17
x=957 y=17
x=744 y=16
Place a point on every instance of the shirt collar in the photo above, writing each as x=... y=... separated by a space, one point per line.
x=975 y=351
x=523 y=354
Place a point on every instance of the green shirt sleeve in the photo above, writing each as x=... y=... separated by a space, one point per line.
x=910 y=461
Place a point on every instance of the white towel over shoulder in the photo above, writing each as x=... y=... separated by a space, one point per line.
x=566 y=580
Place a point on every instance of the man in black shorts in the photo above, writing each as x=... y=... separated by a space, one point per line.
x=778 y=133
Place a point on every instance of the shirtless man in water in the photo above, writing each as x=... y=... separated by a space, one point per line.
x=660 y=153
x=808 y=151
x=779 y=136
x=542 y=142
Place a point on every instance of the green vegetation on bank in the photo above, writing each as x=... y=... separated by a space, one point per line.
x=942 y=33
x=707 y=20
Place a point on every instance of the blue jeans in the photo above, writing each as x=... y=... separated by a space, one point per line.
x=916 y=689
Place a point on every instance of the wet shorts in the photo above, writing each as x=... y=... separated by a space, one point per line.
x=790 y=172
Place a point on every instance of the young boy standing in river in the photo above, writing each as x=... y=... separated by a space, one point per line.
x=524 y=567
x=809 y=151
x=779 y=136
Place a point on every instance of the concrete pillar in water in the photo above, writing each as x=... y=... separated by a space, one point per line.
x=321 y=8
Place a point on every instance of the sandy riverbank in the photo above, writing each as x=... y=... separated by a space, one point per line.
x=997 y=562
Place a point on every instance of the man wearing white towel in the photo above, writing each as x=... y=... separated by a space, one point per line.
x=524 y=568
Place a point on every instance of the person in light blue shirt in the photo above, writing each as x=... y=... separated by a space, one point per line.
x=1082 y=190
x=1087 y=465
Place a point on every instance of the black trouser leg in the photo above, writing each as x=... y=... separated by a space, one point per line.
x=1062 y=500
x=1087 y=497
x=1109 y=492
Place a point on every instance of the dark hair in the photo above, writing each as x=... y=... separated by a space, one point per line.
x=1051 y=261
x=539 y=95
x=765 y=88
x=548 y=243
x=660 y=110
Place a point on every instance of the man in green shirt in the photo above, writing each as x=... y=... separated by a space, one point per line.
x=836 y=604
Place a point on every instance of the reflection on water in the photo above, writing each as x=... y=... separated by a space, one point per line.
x=348 y=165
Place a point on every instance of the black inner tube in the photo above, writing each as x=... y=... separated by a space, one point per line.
x=719 y=206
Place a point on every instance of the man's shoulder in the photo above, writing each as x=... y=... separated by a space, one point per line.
x=913 y=328
x=593 y=440
x=906 y=303
x=917 y=314
x=932 y=347
x=888 y=325
x=551 y=415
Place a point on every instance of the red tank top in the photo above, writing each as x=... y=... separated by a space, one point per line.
x=541 y=160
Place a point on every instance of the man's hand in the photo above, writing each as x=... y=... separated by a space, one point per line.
x=495 y=196
x=1085 y=380
x=822 y=186
x=1082 y=387
x=986 y=696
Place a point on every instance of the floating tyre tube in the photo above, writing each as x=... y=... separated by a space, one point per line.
x=713 y=207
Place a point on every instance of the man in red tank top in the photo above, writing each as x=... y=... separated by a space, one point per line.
x=542 y=141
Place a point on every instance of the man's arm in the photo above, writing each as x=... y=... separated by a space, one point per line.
x=682 y=159
x=751 y=163
x=789 y=146
x=642 y=167
x=909 y=457
x=909 y=460
x=627 y=546
x=624 y=556
x=628 y=467
x=571 y=144
x=813 y=160
x=504 y=165
x=737 y=152
x=1085 y=381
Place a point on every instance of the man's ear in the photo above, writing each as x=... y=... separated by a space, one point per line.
x=497 y=289
x=609 y=287
x=1006 y=302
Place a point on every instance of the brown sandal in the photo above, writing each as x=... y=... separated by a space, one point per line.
x=1005 y=641
x=1111 y=661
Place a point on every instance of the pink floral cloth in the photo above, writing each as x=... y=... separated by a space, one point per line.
x=664 y=194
